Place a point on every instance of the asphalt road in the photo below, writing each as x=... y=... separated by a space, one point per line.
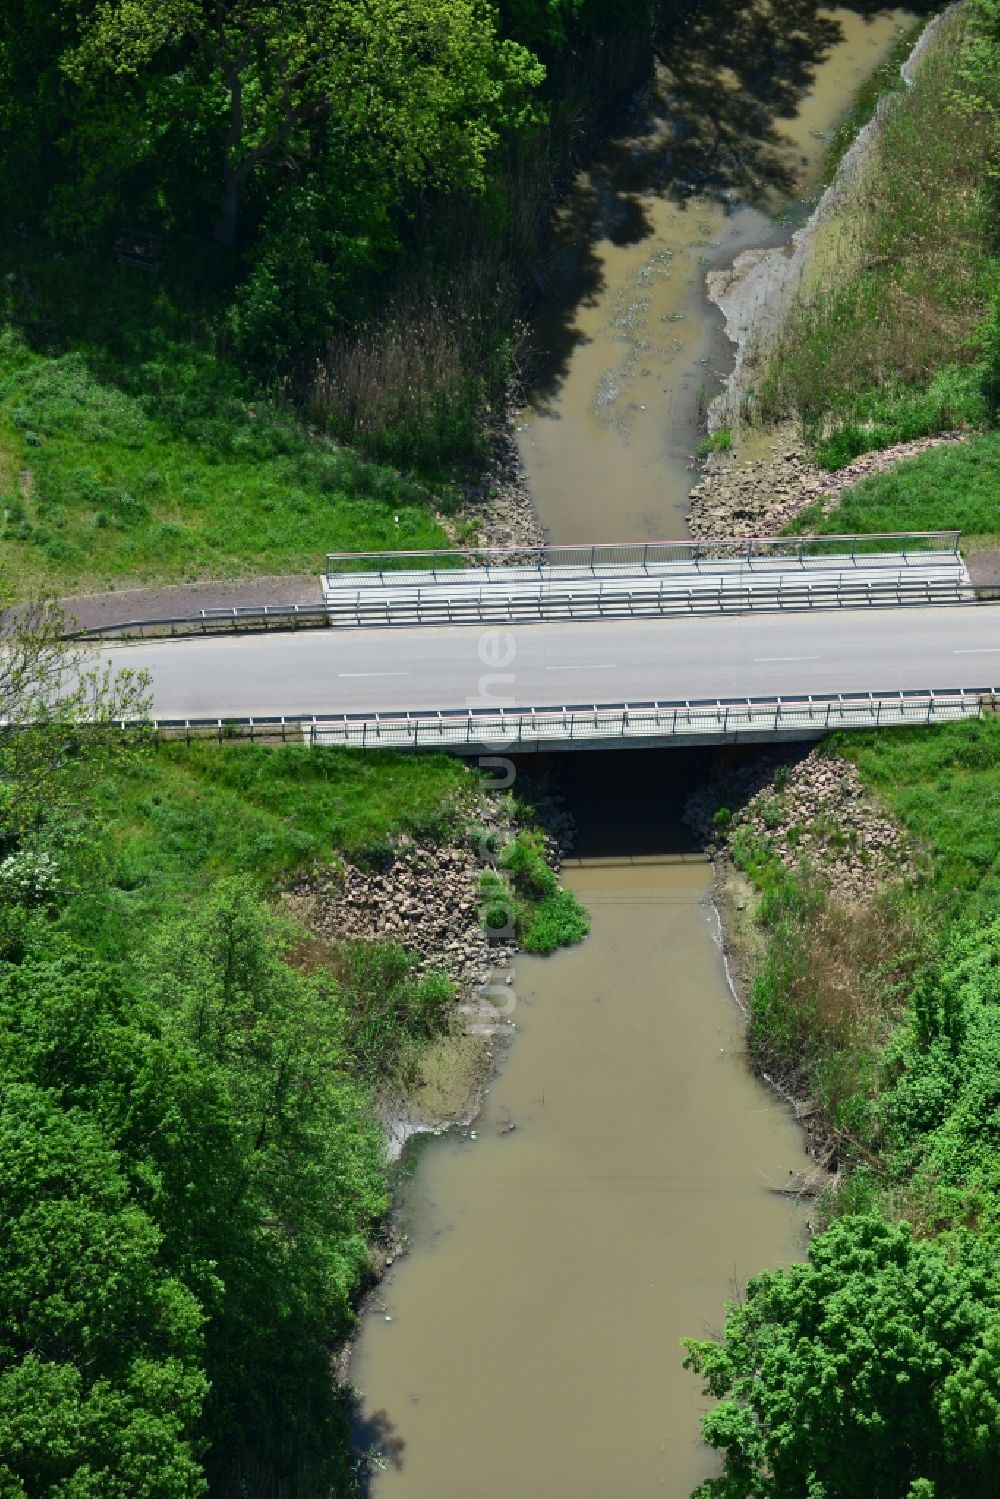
x=540 y=665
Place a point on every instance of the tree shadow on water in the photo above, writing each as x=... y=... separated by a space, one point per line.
x=377 y=1441
x=730 y=75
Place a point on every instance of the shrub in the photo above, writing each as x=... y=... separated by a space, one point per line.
x=389 y=1007
x=524 y=859
x=717 y=442
x=557 y=921
x=872 y=1369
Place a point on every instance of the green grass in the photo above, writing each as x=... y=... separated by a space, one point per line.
x=717 y=442
x=178 y=818
x=944 y=786
x=944 y=488
x=174 y=479
x=901 y=294
x=880 y=418
x=546 y=917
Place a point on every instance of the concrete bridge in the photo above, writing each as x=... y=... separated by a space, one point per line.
x=915 y=646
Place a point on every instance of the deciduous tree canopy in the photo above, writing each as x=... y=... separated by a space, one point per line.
x=419 y=88
x=870 y=1370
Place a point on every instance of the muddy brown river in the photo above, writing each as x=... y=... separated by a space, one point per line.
x=628 y=349
x=534 y=1347
x=529 y=1346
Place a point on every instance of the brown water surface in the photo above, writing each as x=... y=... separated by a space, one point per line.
x=533 y=1350
x=734 y=131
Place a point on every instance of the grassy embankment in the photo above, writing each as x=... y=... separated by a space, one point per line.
x=178 y=819
x=172 y=473
x=883 y=1012
x=946 y=488
x=884 y=332
x=855 y=1007
x=889 y=341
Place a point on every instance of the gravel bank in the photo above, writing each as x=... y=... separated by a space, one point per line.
x=500 y=504
x=815 y=814
x=427 y=899
x=761 y=497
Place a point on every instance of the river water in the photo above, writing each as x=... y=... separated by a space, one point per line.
x=628 y=350
x=528 y=1345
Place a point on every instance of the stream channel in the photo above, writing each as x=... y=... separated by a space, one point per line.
x=528 y=1344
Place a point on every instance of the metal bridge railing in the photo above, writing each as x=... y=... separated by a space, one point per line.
x=469 y=730
x=215 y=621
x=358 y=608
x=640 y=556
x=604 y=599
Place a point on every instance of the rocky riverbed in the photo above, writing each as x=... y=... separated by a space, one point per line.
x=427 y=898
x=499 y=506
x=815 y=814
x=761 y=496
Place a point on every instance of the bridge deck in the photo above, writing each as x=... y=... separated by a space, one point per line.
x=596 y=663
x=684 y=570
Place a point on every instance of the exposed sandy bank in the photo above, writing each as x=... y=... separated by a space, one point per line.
x=757 y=290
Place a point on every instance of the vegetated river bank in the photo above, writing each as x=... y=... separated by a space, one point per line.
x=616 y=1184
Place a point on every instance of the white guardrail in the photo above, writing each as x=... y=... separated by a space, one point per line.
x=605 y=600
x=633 y=556
x=781 y=574
x=473 y=731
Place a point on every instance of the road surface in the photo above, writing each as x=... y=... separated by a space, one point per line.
x=594 y=662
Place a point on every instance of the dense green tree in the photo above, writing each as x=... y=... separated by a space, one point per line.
x=33 y=37
x=423 y=85
x=939 y=1112
x=101 y=1382
x=247 y=1171
x=187 y=1173
x=872 y=1369
x=282 y=1211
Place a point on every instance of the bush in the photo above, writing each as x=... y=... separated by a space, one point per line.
x=389 y=1008
x=524 y=860
x=717 y=442
x=557 y=921
x=873 y=1370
